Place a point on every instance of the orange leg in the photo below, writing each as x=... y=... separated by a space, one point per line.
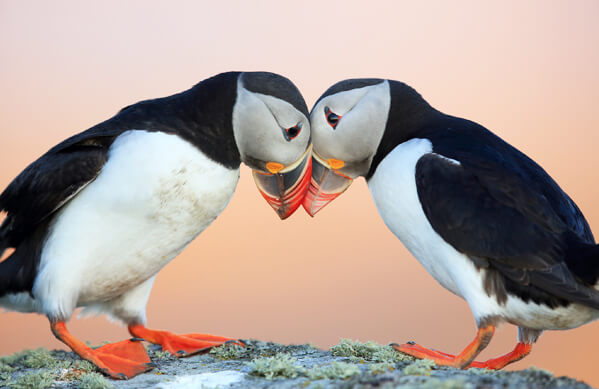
x=121 y=360
x=180 y=345
x=462 y=360
x=520 y=351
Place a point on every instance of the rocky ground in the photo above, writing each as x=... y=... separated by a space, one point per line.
x=269 y=365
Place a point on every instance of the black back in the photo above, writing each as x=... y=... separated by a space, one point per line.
x=201 y=115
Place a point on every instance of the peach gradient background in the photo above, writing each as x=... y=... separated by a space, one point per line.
x=527 y=70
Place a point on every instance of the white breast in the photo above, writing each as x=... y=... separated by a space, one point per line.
x=393 y=187
x=154 y=195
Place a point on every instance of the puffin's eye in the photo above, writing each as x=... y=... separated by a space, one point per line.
x=332 y=117
x=292 y=132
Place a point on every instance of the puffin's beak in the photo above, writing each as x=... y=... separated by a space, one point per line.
x=284 y=187
x=327 y=184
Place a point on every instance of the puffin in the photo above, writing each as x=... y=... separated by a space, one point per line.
x=486 y=221
x=92 y=221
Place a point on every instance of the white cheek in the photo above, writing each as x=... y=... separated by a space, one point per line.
x=258 y=125
x=250 y=117
x=363 y=114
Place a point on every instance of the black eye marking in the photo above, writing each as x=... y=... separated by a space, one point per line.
x=292 y=132
x=332 y=117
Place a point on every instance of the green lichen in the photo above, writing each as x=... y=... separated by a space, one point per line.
x=381 y=367
x=10 y=360
x=39 y=358
x=32 y=380
x=355 y=349
x=5 y=368
x=420 y=367
x=334 y=371
x=157 y=352
x=278 y=366
x=93 y=381
x=229 y=351
x=388 y=354
x=162 y=355
x=369 y=351
x=35 y=359
x=84 y=366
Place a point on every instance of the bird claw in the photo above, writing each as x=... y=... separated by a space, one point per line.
x=135 y=339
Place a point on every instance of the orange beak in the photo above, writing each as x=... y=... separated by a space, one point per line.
x=284 y=188
x=326 y=184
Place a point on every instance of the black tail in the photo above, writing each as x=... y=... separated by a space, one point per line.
x=12 y=277
x=583 y=261
x=16 y=273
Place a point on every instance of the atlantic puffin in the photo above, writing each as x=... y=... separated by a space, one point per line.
x=94 y=219
x=487 y=222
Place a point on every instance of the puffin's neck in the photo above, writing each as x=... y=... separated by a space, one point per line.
x=409 y=116
x=206 y=117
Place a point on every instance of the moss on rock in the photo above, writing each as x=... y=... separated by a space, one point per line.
x=368 y=351
x=32 y=380
x=334 y=371
x=420 y=367
x=230 y=351
x=94 y=381
x=278 y=366
x=381 y=367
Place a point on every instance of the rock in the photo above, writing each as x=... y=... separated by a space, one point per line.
x=350 y=364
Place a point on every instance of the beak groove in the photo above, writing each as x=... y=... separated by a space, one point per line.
x=285 y=189
x=326 y=184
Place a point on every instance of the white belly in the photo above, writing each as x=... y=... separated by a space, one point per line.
x=154 y=195
x=393 y=187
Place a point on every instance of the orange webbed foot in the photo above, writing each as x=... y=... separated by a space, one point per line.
x=121 y=360
x=462 y=360
x=181 y=345
x=520 y=351
x=465 y=359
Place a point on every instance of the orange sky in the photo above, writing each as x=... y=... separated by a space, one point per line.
x=526 y=70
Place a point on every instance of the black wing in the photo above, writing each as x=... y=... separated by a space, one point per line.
x=46 y=185
x=35 y=195
x=505 y=223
